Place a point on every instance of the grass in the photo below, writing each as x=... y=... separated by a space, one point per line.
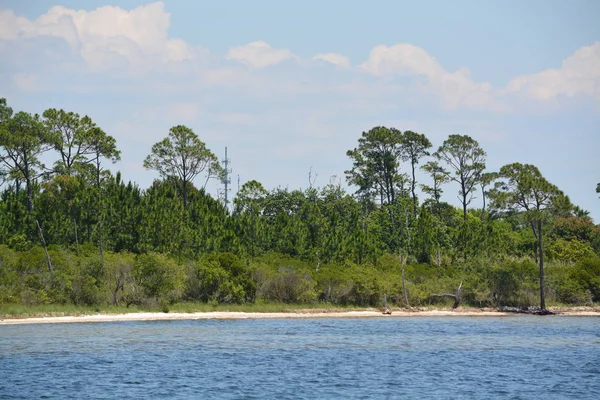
x=61 y=310
x=12 y=311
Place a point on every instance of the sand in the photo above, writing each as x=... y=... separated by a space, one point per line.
x=576 y=311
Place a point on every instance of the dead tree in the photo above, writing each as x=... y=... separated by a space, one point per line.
x=41 y=234
x=404 y=290
x=455 y=296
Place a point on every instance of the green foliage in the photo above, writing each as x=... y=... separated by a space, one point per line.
x=375 y=165
x=510 y=284
x=158 y=275
x=570 y=250
x=577 y=228
x=439 y=176
x=522 y=189
x=413 y=147
x=467 y=160
x=586 y=274
x=183 y=155
x=112 y=243
x=220 y=278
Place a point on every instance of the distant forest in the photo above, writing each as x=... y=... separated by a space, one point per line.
x=74 y=232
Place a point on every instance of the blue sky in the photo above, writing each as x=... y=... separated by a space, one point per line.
x=291 y=86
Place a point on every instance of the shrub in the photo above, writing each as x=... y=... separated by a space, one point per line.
x=289 y=287
x=221 y=277
x=158 y=275
x=570 y=250
x=512 y=284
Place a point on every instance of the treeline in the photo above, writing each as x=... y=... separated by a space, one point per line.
x=74 y=232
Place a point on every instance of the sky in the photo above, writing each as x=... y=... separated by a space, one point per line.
x=289 y=87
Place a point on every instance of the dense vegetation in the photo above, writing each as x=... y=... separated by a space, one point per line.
x=75 y=233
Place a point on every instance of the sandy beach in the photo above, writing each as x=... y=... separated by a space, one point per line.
x=152 y=316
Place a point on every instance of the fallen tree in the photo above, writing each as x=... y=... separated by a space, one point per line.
x=533 y=310
x=455 y=296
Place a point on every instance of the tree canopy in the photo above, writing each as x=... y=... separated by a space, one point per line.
x=77 y=232
x=521 y=188
x=467 y=160
x=182 y=154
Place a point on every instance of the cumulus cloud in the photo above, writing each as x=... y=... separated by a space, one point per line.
x=105 y=36
x=334 y=58
x=186 y=112
x=26 y=82
x=259 y=54
x=114 y=39
x=579 y=74
x=237 y=118
x=455 y=89
x=401 y=59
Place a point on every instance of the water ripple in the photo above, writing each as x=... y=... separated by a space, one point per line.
x=520 y=357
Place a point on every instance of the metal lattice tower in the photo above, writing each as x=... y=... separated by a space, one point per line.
x=226 y=180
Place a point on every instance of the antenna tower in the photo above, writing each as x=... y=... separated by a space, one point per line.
x=226 y=180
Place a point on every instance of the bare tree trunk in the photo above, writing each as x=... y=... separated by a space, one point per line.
x=185 y=200
x=407 y=230
x=483 y=209
x=464 y=204
x=45 y=247
x=404 y=290
x=76 y=237
x=414 y=182
x=541 y=250
x=119 y=286
x=29 y=196
x=101 y=244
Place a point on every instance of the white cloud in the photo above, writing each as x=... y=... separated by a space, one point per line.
x=578 y=75
x=104 y=36
x=11 y=26
x=454 y=89
x=401 y=59
x=26 y=82
x=136 y=40
x=184 y=112
x=237 y=118
x=334 y=58
x=259 y=54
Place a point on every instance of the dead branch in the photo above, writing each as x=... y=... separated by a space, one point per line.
x=45 y=247
x=455 y=296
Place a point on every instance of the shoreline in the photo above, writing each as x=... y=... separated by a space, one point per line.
x=234 y=315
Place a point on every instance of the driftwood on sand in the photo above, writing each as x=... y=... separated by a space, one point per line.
x=534 y=310
x=386 y=309
x=455 y=296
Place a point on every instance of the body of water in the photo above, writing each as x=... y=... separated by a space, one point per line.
x=418 y=357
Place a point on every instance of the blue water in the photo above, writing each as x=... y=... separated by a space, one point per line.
x=383 y=358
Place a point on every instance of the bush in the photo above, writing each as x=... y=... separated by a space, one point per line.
x=19 y=243
x=158 y=275
x=512 y=284
x=289 y=287
x=570 y=250
x=587 y=275
x=222 y=278
x=333 y=284
x=118 y=278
